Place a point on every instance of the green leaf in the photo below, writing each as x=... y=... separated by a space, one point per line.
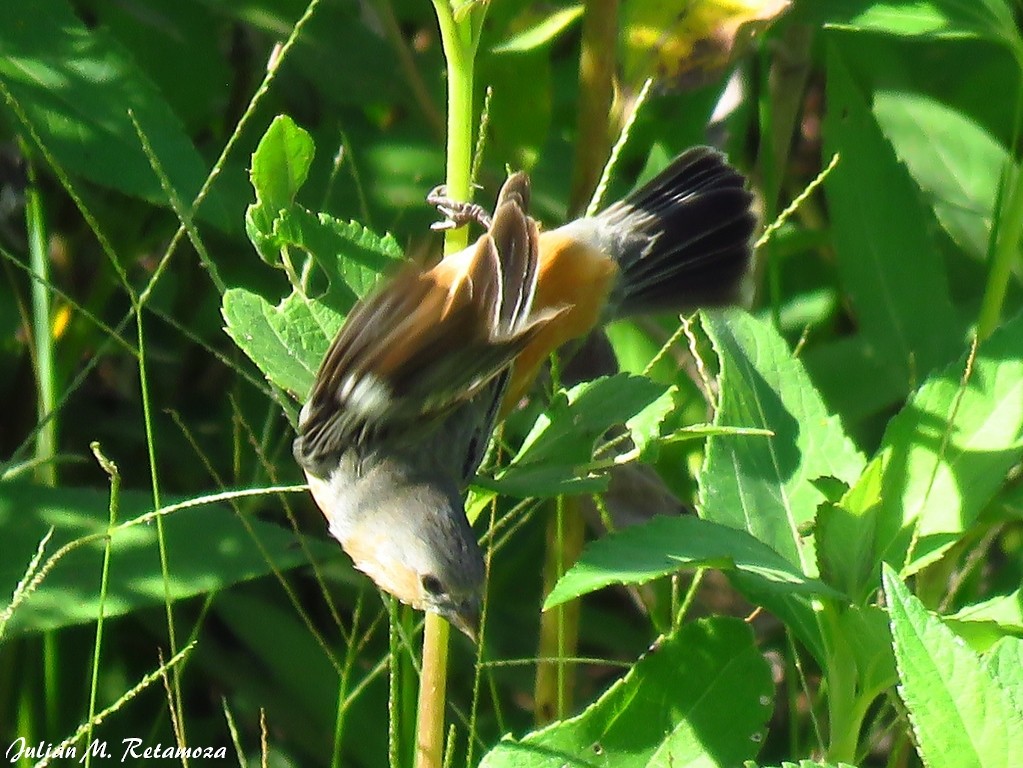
x=986 y=623
x=641 y=553
x=700 y=697
x=860 y=653
x=554 y=456
x=989 y=19
x=351 y=257
x=76 y=86
x=1005 y=664
x=762 y=484
x=286 y=342
x=280 y=164
x=943 y=458
x=645 y=426
x=959 y=713
x=208 y=548
x=542 y=32
x=1005 y=610
x=956 y=175
x=890 y=265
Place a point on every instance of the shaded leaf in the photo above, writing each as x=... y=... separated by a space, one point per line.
x=956 y=175
x=76 y=87
x=891 y=266
x=765 y=485
x=554 y=456
x=207 y=548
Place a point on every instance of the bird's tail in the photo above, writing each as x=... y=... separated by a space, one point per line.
x=683 y=240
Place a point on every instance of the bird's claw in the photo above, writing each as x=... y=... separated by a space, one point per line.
x=456 y=213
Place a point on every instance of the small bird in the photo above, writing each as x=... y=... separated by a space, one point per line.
x=408 y=394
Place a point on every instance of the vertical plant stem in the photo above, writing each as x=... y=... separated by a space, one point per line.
x=459 y=35
x=115 y=495
x=559 y=627
x=42 y=337
x=1006 y=251
x=596 y=94
x=46 y=438
x=147 y=415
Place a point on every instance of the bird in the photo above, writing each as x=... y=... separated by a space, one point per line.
x=410 y=390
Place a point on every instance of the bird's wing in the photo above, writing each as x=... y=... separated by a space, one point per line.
x=429 y=340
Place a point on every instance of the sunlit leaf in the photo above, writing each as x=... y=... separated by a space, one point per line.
x=700 y=697
x=641 y=553
x=959 y=713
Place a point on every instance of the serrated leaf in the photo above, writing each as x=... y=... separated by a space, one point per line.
x=208 y=548
x=891 y=266
x=664 y=545
x=554 y=455
x=701 y=697
x=760 y=484
x=645 y=426
x=984 y=624
x=959 y=713
x=943 y=458
x=1004 y=610
x=763 y=484
x=286 y=342
x=351 y=256
x=1004 y=662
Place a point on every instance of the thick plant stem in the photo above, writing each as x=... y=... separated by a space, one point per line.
x=596 y=94
x=559 y=627
x=432 y=685
x=459 y=35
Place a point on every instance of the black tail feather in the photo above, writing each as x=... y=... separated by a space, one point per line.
x=684 y=239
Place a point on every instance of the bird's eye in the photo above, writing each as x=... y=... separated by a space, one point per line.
x=432 y=584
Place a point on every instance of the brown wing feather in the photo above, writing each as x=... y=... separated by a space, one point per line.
x=429 y=340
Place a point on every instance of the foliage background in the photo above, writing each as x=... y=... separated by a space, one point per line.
x=879 y=280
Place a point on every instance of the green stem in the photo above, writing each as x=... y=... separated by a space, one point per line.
x=596 y=97
x=459 y=30
x=115 y=492
x=1010 y=227
x=42 y=337
x=1006 y=251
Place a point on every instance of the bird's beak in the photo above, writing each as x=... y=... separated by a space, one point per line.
x=467 y=620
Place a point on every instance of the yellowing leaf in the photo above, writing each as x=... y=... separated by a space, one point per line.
x=689 y=43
